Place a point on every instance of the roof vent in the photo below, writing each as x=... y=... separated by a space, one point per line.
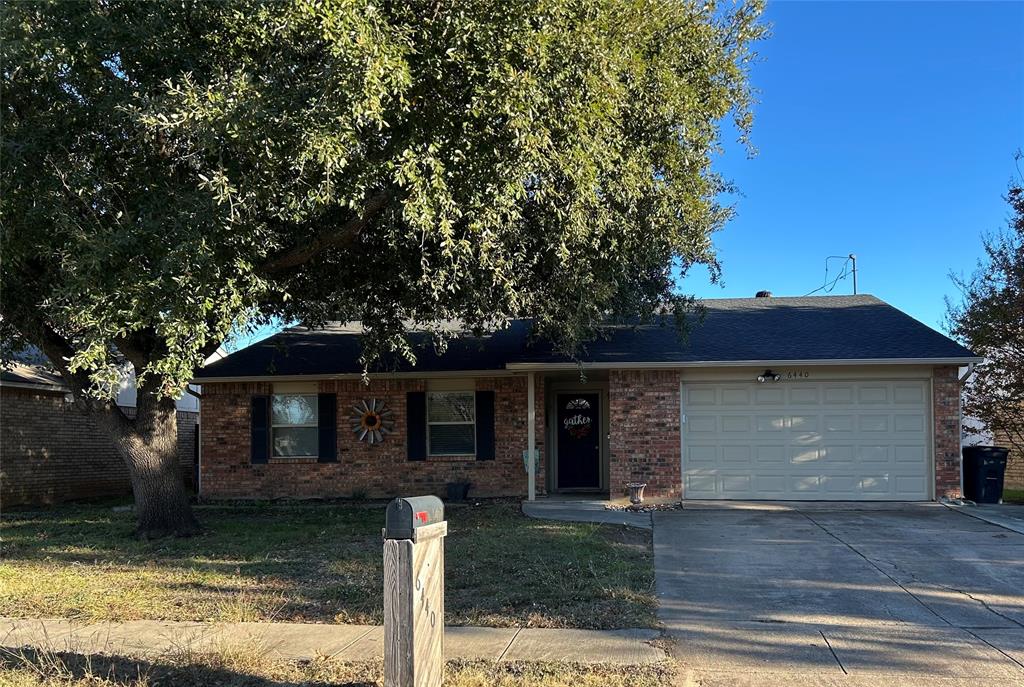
x=763 y=294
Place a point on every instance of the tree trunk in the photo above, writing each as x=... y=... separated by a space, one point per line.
x=149 y=446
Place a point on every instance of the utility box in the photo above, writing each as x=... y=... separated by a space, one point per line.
x=414 y=532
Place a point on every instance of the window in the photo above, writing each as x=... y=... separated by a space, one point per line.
x=293 y=425
x=451 y=423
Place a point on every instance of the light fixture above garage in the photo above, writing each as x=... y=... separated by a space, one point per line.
x=768 y=376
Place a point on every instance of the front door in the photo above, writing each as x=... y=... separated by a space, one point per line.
x=579 y=441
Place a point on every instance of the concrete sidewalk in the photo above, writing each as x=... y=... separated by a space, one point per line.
x=1006 y=515
x=583 y=510
x=296 y=641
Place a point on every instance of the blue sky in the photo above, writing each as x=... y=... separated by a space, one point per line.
x=884 y=129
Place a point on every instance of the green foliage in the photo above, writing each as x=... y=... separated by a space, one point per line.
x=990 y=321
x=173 y=170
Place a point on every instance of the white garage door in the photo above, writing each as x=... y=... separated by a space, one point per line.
x=806 y=440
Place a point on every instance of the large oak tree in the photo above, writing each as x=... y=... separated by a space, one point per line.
x=174 y=170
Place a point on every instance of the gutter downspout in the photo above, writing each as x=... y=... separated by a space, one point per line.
x=970 y=371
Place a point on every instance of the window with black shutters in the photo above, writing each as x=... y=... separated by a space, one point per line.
x=293 y=425
x=451 y=423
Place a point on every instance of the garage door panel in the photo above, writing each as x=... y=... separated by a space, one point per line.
x=771 y=423
x=769 y=396
x=804 y=423
x=805 y=484
x=840 y=485
x=799 y=395
x=874 y=423
x=835 y=424
x=733 y=455
x=914 y=453
x=807 y=440
x=770 y=486
x=908 y=423
x=698 y=455
x=839 y=454
x=737 y=485
x=912 y=394
x=802 y=455
x=838 y=394
x=772 y=455
x=873 y=394
x=735 y=423
x=700 y=396
x=701 y=485
x=909 y=486
x=703 y=423
x=874 y=454
x=874 y=484
x=733 y=396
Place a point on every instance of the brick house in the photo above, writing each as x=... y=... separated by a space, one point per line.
x=823 y=398
x=1014 y=461
x=50 y=451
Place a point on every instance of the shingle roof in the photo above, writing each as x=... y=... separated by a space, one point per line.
x=816 y=328
x=30 y=375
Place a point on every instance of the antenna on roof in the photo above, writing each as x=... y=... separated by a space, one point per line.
x=848 y=261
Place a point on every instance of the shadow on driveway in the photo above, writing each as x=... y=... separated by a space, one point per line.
x=890 y=591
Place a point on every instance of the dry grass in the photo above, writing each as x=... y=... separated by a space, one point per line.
x=320 y=563
x=249 y=667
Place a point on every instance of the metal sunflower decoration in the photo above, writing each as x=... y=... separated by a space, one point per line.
x=372 y=421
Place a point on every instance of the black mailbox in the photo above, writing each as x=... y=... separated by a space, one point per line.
x=405 y=516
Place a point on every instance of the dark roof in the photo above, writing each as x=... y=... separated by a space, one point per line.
x=817 y=328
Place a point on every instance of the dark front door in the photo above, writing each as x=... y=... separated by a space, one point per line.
x=579 y=441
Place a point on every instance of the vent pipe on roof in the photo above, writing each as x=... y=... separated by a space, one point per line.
x=763 y=294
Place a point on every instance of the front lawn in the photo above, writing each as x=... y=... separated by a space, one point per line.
x=250 y=668
x=320 y=563
x=1013 y=495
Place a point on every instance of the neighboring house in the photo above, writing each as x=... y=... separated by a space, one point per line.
x=976 y=434
x=822 y=398
x=50 y=451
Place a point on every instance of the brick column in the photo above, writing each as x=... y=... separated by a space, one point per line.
x=946 y=422
x=643 y=417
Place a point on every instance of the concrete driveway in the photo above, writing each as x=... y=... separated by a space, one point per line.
x=843 y=594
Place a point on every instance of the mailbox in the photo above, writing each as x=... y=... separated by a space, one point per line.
x=405 y=516
x=414 y=532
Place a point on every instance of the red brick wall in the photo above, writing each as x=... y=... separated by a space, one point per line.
x=378 y=471
x=946 y=419
x=51 y=452
x=643 y=418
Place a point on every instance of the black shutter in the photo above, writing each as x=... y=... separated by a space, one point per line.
x=485 y=425
x=327 y=428
x=416 y=425
x=259 y=436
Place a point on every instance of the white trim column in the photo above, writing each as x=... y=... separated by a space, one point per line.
x=531 y=435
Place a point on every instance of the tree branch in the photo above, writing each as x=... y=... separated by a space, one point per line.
x=333 y=238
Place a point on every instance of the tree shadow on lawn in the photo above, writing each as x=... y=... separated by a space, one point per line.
x=251 y=668
x=323 y=563
x=68 y=668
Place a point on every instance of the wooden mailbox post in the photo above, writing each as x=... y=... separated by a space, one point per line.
x=414 y=534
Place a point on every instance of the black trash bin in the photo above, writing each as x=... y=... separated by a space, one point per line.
x=984 y=467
